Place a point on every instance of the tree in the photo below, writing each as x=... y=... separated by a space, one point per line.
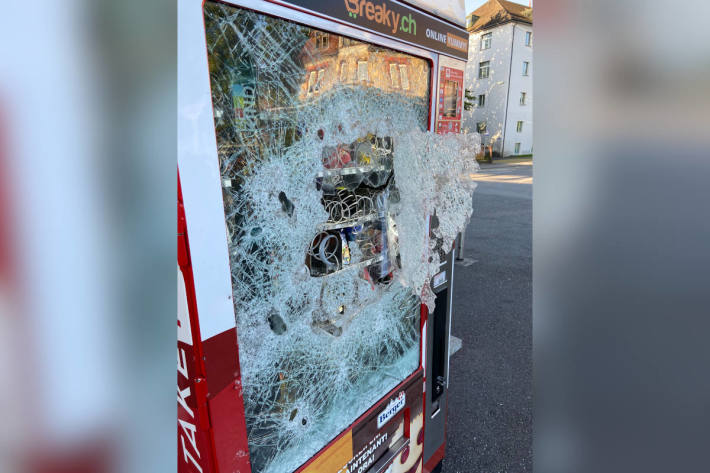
x=469 y=100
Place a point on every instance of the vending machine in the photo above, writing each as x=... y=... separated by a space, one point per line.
x=319 y=193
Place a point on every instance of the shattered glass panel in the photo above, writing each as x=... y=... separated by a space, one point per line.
x=329 y=177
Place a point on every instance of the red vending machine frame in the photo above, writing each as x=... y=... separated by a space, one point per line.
x=212 y=432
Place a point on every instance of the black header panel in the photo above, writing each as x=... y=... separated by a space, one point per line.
x=397 y=21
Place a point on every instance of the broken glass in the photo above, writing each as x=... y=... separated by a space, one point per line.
x=329 y=177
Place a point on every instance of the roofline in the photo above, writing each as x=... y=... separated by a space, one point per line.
x=490 y=27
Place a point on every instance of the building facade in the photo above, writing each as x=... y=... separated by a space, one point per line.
x=499 y=94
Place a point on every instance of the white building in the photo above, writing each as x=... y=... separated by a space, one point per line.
x=499 y=76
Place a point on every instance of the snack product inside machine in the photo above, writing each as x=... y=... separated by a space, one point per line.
x=318 y=201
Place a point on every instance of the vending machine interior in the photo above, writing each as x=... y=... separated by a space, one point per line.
x=318 y=202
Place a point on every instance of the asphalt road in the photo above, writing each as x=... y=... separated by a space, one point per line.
x=490 y=391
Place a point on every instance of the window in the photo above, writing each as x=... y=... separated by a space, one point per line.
x=526 y=67
x=343 y=71
x=321 y=76
x=481 y=127
x=482 y=100
x=321 y=40
x=483 y=69
x=311 y=82
x=394 y=75
x=523 y=96
x=486 y=41
x=517 y=148
x=519 y=127
x=362 y=70
x=404 y=76
x=528 y=38
x=345 y=42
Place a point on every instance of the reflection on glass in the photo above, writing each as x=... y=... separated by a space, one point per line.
x=404 y=75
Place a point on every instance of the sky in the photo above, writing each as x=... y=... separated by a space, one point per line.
x=473 y=4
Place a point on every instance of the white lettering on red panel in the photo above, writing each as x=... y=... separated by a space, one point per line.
x=188 y=430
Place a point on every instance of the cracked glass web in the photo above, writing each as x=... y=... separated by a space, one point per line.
x=329 y=178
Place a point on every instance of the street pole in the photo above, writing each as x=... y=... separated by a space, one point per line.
x=459 y=245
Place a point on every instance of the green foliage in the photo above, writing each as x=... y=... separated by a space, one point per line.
x=469 y=100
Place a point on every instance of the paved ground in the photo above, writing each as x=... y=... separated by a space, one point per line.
x=490 y=397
